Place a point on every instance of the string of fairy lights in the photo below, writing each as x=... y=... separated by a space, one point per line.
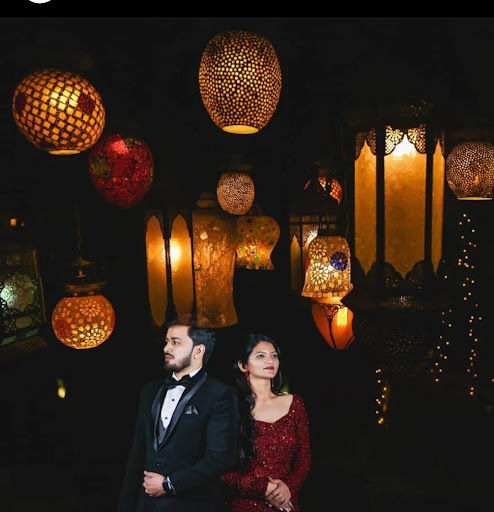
x=444 y=343
x=468 y=279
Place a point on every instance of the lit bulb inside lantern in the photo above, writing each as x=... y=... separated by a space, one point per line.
x=404 y=148
x=174 y=251
x=61 y=391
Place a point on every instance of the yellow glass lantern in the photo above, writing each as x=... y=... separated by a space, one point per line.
x=58 y=111
x=85 y=319
x=399 y=187
x=470 y=170
x=235 y=192
x=83 y=322
x=240 y=81
x=334 y=322
x=328 y=276
x=257 y=236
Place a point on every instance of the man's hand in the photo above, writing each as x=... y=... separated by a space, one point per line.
x=153 y=484
x=279 y=496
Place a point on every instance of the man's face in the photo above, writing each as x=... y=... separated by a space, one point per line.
x=178 y=348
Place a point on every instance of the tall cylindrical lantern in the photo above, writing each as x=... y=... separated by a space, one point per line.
x=399 y=187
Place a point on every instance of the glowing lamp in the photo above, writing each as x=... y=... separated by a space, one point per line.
x=334 y=322
x=399 y=186
x=257 y=236
x=58 y=111
x=328 y=275
x=121 y=169
x=240 y=81
x=235 y=192
x=470 y=170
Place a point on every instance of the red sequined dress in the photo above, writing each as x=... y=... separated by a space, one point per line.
x=283 y=451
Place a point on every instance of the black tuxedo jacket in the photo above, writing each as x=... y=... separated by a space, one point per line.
x=200 y=444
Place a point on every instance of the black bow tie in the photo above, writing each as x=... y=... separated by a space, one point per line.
x=171 y=383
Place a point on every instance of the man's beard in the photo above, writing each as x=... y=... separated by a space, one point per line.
x=177 y=365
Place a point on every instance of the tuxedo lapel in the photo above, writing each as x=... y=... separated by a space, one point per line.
x=181 y=407
x=155 y=413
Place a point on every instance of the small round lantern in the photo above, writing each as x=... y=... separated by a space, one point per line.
x=58 y=111
x=257 y=236
x=121 y=169
x=334 y=322
x=235 y=192
x=327 y=278
x=83 y=322
x=470 y=170
x=240 y=81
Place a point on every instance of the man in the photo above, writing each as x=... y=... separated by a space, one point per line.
x=186 y=432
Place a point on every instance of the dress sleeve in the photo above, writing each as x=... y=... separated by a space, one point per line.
x=301 y=464
x=245 y=485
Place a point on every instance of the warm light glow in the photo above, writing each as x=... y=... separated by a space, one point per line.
x=13 y=222
x=174 y=252
x=404 y=148
x=241 y=129
x=83 y=322
x=334 y=322
x=58 y=111
x=61 y=391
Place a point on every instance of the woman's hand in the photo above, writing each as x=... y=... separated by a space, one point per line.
x=279 y=496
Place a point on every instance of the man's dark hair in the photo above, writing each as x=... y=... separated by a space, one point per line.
x=199 y=336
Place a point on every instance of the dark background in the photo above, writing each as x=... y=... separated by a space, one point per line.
x=436 y=450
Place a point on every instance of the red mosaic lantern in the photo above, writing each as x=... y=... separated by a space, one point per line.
x=121 y=169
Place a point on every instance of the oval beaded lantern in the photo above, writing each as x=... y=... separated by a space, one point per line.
x=83 y=322
x=240 y=81
x=327 y=278
x=235 y=192
x=257 y=236
x=58 y=111
x=470 y=170
x=121 y=169
x=334 y=322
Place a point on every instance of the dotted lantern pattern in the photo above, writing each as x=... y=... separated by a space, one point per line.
x=257 y=236
x=235 y=192
x=83 y=322
x=58 y=111
x=240 y=81
x=328 y=273
x=470 y=170
x=121 y=169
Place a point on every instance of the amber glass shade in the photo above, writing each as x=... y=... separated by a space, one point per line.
x=240 y=81
x=405 y=194
x=470 y=170
x=83 y=322
x=328 y=275
x=257 y=236
x=58 y=111
x=214 y=242
x=156 y=266
x=121 y=169
x=235 y=192
x=334 y=322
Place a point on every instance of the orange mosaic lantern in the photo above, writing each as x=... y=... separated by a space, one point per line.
x=257 y=236
x=334 y=322
x=240 y=81
x=58 y=111
x=83 y=322
x=235 y=192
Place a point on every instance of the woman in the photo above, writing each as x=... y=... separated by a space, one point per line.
x=274 y=446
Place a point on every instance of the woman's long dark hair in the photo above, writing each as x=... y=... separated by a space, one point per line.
x=247 y=402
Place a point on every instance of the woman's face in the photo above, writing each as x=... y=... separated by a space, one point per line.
x=263 y=361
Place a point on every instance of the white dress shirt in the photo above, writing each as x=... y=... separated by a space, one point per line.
x=171 y=400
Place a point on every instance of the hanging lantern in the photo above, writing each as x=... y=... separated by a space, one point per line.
x=85 y=319
x=316 y=207
x=399 y=186
x=58 y=111
x=198 y=268
x=257 y=236
x=328 y=276
x=334 y=322
x=235 y=192
x=470 y=170
x=22 y=310
x=240 y=81
x=121 y=169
